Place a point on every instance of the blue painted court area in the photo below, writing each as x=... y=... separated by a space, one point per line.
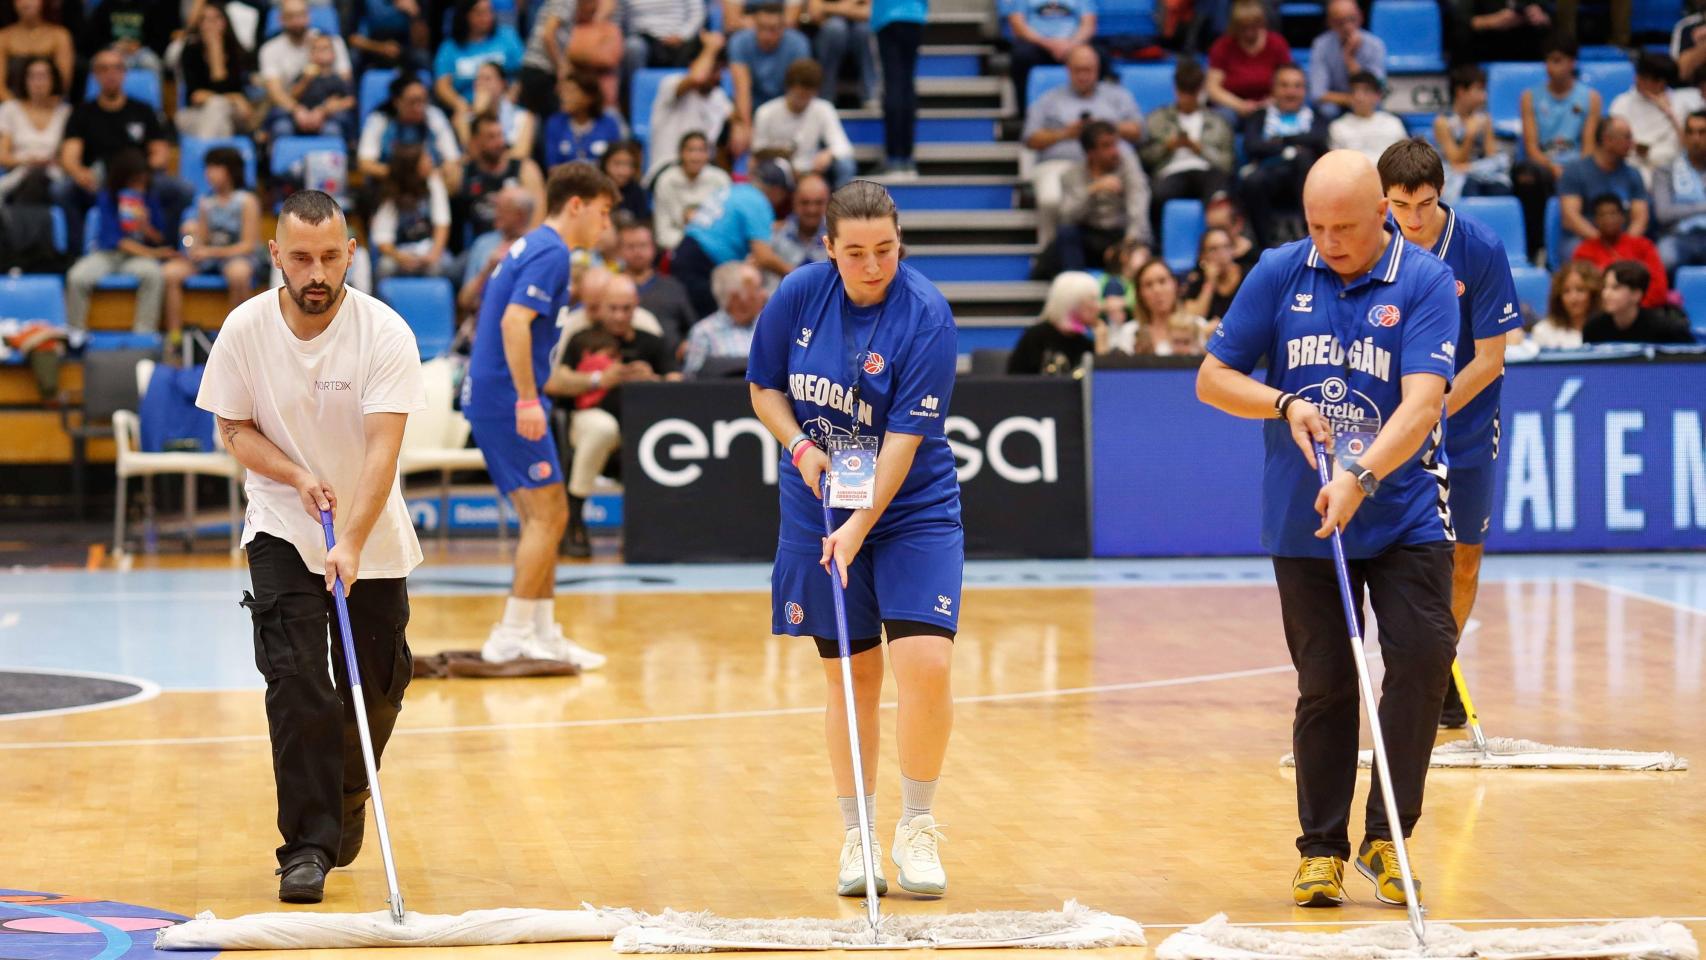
x=51 y=926
x=184 y=630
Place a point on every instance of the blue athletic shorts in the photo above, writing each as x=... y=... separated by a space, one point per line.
x=915 y=575
x=1472 y=502
x=515 y=463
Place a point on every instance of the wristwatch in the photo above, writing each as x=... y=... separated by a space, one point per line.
x=1366 y=480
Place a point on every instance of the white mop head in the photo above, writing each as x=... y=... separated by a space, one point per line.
x=1216 y=939
x=1073 y=926
x=301 y=931
x=1504 y=753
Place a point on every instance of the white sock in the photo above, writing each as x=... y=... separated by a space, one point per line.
x=518 y=613
x=915 y=797
x=544 y=617
x=850 y=811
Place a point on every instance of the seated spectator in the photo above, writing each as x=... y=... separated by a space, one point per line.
x=489 y=170
x=1044 y=32
x=727 y=334
x=324 y=99
x=396 y=34
x=1501 y=29
x=1214 y=281
x=1611 y=244
x=1055 y=123
x=222 y=237
x=1688 y=43
x=1103 y=201
x=695 y=102
x=661 y=295
x=513 y=211
x=476 y=38
x=734 y=224
x=1606 y=170
x=408 y=119
x=806 y=126
x=798 y=237
x=843 y=27
x=1119 y=285
x=97 y=131
x=1624 y=319
x=1679 y=199
x=1187 y=148
x=215 y=70
x=34 y=37
x=1647 y=108
x=587 y=287
x=546 y=56
x=621 y=163
x=137 y=30
x=1070 y=328
x=32 y=127
x=1366 y=128
x=492 y=96
x=1160 y=326
x=1572 y=301
x=1223 y=213
x=1283 y=140
x=411 y=228
x=1339 y=54
x=759 y=57
x=1560 y=123
x=660 y=33
x=1475 y=165
x=679 y=190
x=1241 y=63
x=585 y=127
x=284 y=68
x=136 y=238
x=737 y=14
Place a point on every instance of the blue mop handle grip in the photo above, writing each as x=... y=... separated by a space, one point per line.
x=345 y=633
x=835 y=579
x=1323 y=465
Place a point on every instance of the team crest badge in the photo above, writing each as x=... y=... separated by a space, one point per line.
x=1384 y=315
x=540 y=471
x=874 y=363
x=795 y=615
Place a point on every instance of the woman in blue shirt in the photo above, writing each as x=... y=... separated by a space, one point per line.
x=584 y=129
x=475 y=38
x=848 y=350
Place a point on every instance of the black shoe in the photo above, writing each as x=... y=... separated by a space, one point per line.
x=1452 y=716
x=304 y=881
x=575 y=543
x=355 y=825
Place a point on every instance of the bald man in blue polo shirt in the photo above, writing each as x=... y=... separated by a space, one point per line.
x=1359 y=328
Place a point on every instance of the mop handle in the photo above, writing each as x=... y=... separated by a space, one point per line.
x=1468 y=706
x=359 y=704
x=1382 y=769
x=845 y=648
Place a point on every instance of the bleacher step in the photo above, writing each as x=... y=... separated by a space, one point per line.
x=925 y=227
x=953 y=59
x=953 y=192
x=973 y=262
x=980 y=124
x=1017 y=298
x=983 y=92
x=964 y=26
x=952 y=159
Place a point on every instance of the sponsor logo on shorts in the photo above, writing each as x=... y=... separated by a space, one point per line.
x=944 y=605
x=1384 y=315
x=540 y=471
x=1486 y=523
x=874 y=363
x=794 y=613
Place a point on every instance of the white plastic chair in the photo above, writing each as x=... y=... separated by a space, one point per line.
x=132 y=461
x=437 y=439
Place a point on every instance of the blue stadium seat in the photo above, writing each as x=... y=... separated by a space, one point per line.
x=1181 y=231
x=1504 y=216
x=1412 y=34
x=1505 y=84
x=61 y=229
x=1302 y=10
x=1610 y=78
x=642 y=90
x=1554 y=233
x=1042 y=80
x=1655 y=16
x=1150 y=84
x=143 y=85
x=1125 y=18
x=192 y=159
x=33 y=296
x=288 y=150
x=375 y=84
x=1691 y=284
x=1299 y=56
x=428 y=305
x=320 y=17
x=1533 y=286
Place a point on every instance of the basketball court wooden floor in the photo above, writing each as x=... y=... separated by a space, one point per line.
x=1118 y=732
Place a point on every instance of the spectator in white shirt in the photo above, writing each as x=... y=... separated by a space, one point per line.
x=806 y=124
x=679 y=190
x=408 y=118
x=1367 y=128
x=282 y=60
x=694 y=102
x=1648 y=108
x=411 y=228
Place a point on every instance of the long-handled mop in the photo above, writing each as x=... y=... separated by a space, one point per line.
x=1217 y=939
x=634 y=932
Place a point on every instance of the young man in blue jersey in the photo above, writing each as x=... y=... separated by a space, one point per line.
x=1413 y=175
x=1359 y=328
x=503 y=399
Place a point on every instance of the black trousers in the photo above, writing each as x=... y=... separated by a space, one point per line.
x=316 y=753
x=1272 y=188
x=692 y=266
x=1189 y=185
x=1409 y=588
x=897 y=51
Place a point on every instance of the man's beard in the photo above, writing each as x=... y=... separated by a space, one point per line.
x=309 y=306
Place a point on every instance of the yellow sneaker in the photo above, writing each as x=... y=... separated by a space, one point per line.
x=1378 y=861
x=1320 y=882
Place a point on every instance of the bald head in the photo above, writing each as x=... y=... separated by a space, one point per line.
x=1346 y=211
x=1616 y=138
x=1083 y=69
x=1344 y=16
x=616 y=308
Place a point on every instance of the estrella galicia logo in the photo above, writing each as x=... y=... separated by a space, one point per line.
x=794 y=613
x=540 y=471
x=1333 y=390
x=1383 y=315
x=874 y=363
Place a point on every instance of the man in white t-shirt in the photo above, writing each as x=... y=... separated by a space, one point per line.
x=312 y=384
x=282 y=60
x=694 y=102
x=806 y=124
x=1367 y=128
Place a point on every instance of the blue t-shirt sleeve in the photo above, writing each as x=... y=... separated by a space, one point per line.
x=799 y=47
x=1493 y=303
x=1431 y=329
x=925 y=383
x=756 y=217
x=1247 y=330
x=444 y=63
x=743 y=48
x=510 y=43
x=538 y=281
x=1636 y=186
x=1574 y=183
x=767 y=359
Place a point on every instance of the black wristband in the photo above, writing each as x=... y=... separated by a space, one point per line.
x=1284 y=403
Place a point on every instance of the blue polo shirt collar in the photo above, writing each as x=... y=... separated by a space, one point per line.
x=1385 y=270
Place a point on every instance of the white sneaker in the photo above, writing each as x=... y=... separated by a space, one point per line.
x=555 y=646
x=916 y=854
x=506 y=643
x=850 y=882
